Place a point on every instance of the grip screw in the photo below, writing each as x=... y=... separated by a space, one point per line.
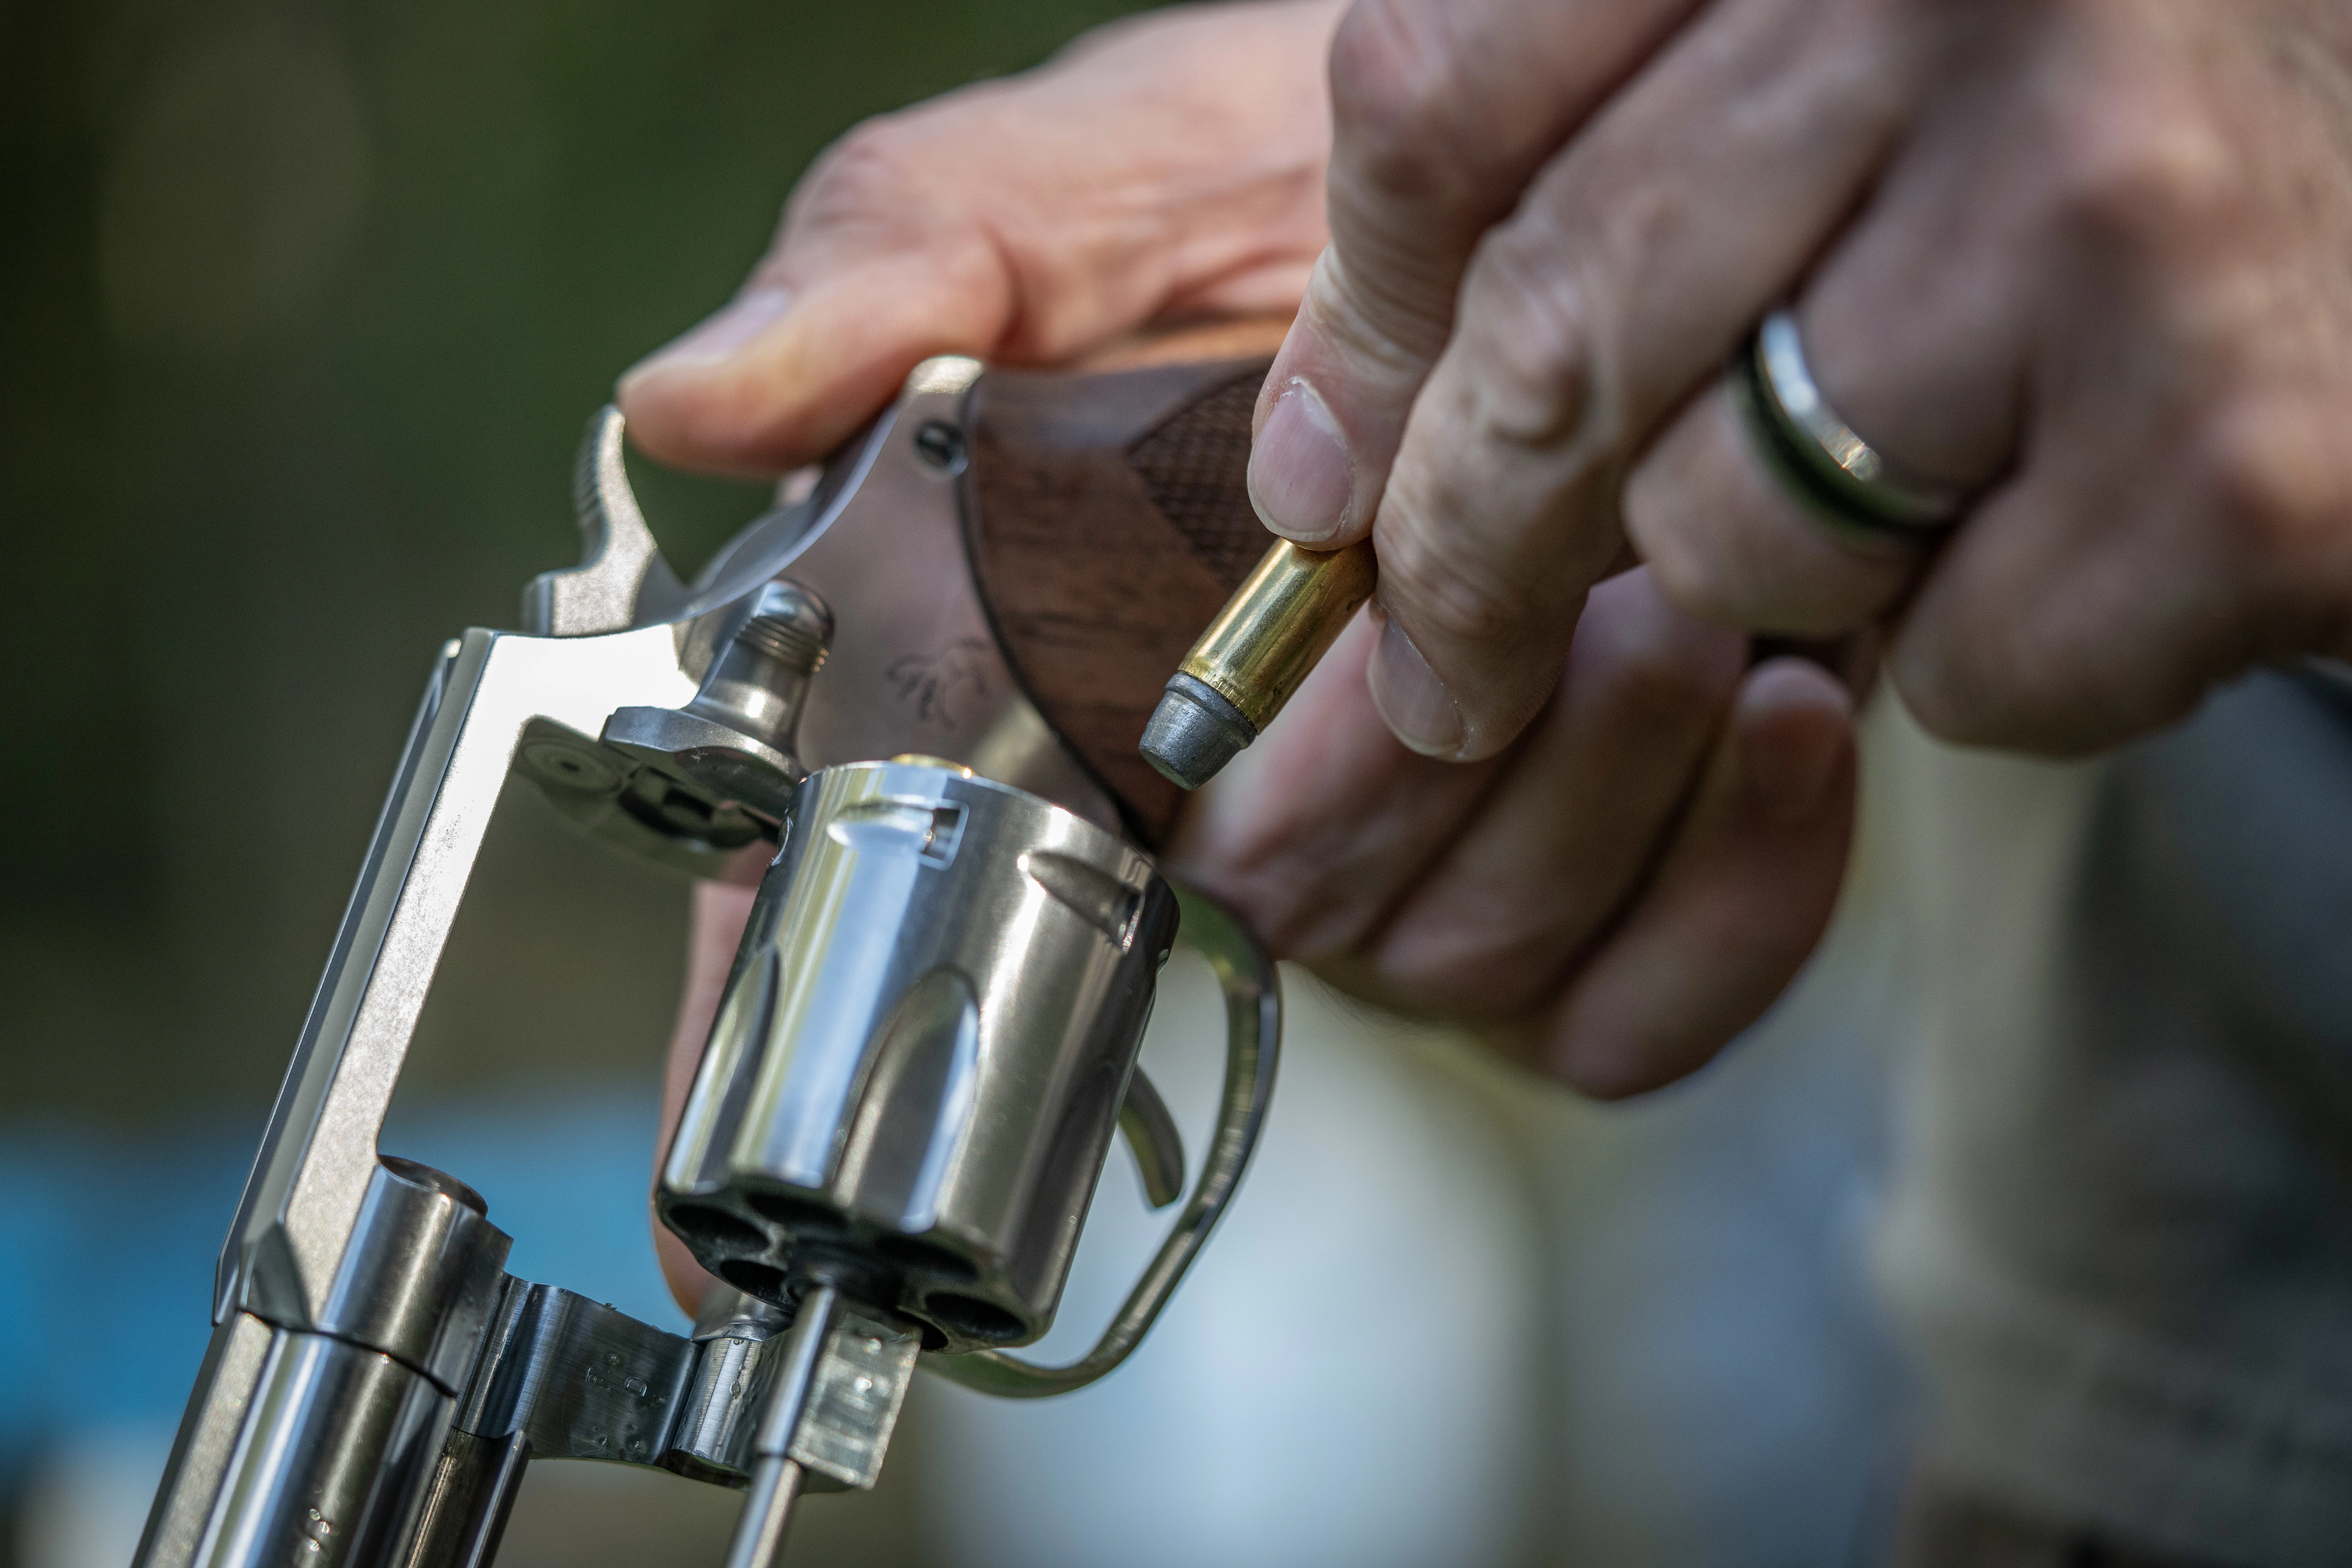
x=941 y=445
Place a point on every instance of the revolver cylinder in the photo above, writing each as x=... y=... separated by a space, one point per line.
x=922 y=1052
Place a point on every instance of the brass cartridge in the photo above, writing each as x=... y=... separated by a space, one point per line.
x=1253 y=656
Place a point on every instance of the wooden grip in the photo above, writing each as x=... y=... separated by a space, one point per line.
x=1108 y=521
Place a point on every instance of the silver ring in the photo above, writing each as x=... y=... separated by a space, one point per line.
x=1817 y=456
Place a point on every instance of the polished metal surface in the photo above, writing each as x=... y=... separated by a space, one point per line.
x=577 y=1379
x=420 y=1277
x=1818 y=456
x=712 y=1433
x=336 y=1449
x=927 y=1037
x=728 y=1313
x=711 y=1438
x=465 y=1507
x=917 y=1065
x=776 y=1475
x=332 y=1431
x=767 y=1503
x=622 y=580
x=734 y=743
x=196 y=1477
x=913 y=667
x=1252 y=657
x=376 y=1384
x=852 y=1402
x=303 y=1203
x=798 y=1350
x=744 y=1402
x=1151 y=1132
x=1253 y=1042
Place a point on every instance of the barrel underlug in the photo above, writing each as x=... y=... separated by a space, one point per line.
x=420 y=1277
x=320 y=1420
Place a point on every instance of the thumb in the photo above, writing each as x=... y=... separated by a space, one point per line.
x=785 y=373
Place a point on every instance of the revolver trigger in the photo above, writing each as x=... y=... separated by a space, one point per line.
x=1152 y=1138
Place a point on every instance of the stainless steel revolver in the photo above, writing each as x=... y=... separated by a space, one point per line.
x=922 y=681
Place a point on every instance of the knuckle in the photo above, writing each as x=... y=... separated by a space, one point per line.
x=1539 y=378
x=2225 y=475
x=1689 y=573
x=1381 y=316
x=1488 y=956
x=1977 y=681
x=1445 y=606
x=875 y=171
x=1966 y=702
x=1606 y=1070
x=1396 y=104
x=1663 y=673
x=2139 y=165
x=1288 y=870
x=2264 y=494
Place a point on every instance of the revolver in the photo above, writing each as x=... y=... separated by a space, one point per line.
x=923 y=682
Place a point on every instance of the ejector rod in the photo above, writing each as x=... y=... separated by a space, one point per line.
x=775 y=1477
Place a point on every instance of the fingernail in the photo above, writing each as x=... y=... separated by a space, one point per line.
x=1419 y=709
x=1787 y=778
x=716 y=340
x=1300 y=475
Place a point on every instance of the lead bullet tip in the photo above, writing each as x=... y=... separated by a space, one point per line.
x=1194 y=732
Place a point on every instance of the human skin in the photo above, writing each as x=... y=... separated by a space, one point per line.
x=2082 y=258
x=1613 y=895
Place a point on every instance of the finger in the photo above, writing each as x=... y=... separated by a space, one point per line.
x=1639 y=259
x=720 y=910
x=984 y=223
x=1936 y=392
x=2048 y=627
x=2178 y=511
x=1737 y=904
x=1442 y=111
x=1314 y=833
x=1729 y=543
x=1574 y=826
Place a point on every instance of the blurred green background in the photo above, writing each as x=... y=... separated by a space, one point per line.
x=302 y=308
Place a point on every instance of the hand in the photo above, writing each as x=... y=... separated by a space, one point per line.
x=1162 y=168
x=1616 y=896
x=2083 y=260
